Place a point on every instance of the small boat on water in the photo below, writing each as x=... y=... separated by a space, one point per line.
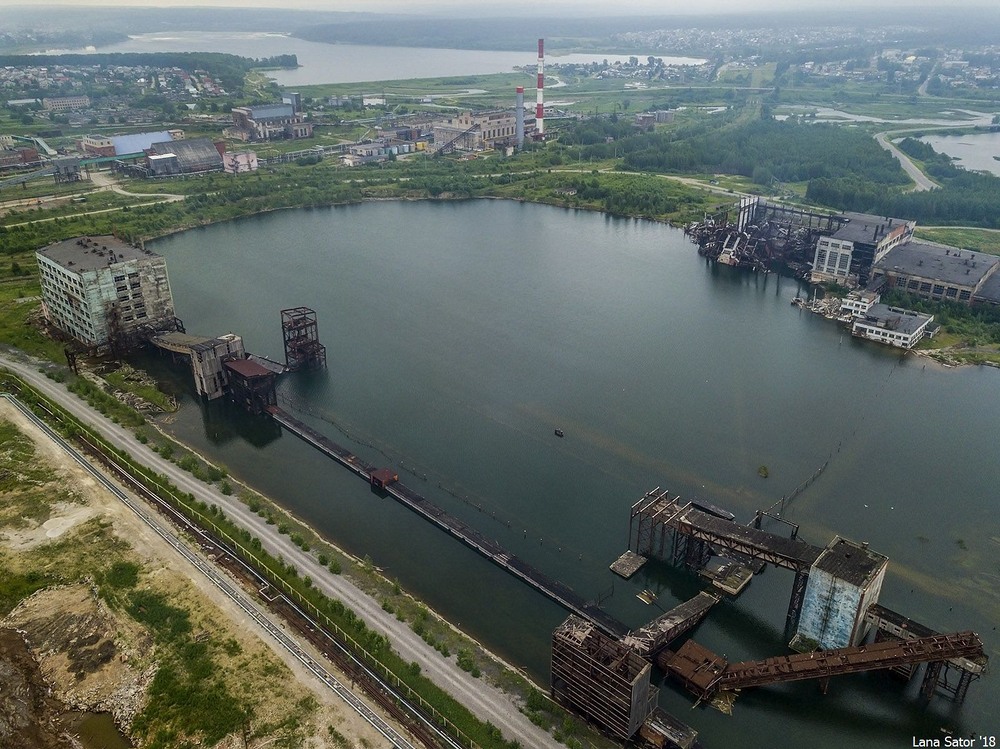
x=559 y=433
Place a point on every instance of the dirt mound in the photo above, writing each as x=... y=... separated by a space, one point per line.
x=88 y=654
x=29 y=716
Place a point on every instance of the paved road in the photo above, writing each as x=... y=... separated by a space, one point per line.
x=920 y=180
x=484 y=700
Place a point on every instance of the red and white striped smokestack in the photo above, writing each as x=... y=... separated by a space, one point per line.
x=519 y=118
x=540 y=101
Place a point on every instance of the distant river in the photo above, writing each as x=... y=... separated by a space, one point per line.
x=974 y=152
x=460 y=335
x=348 y=63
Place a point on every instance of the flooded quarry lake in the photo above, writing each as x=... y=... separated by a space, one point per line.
x=461 y=335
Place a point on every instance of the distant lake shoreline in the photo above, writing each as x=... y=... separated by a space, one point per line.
x=973 y=151
x=320 y=62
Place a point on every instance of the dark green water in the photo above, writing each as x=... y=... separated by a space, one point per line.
x=460 y=335
x=98 y=731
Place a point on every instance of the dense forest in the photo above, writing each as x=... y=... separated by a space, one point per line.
x=843 y=168
x=965 y=198
x=760 y=148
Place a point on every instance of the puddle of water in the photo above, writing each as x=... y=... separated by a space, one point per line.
x=98 y=731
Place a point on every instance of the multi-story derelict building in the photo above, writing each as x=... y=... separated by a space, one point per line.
x=100 y=288
x=268 y=122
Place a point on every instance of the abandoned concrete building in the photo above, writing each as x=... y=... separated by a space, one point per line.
x=97 y=289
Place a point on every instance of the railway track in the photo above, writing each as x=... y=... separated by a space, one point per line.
x=422 y=728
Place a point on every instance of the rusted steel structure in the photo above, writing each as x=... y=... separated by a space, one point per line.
x=648 y=640
x=673 y=530
x=251 y=385
x=704 y=673
x=764 y=234
x=300 y=332
x=890 y=625
x=601 y=678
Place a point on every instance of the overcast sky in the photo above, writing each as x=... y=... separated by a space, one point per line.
x=467 y=8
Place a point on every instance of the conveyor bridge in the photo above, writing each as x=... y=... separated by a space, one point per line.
x=386 y=481
x=660 y=632
x=705 y=673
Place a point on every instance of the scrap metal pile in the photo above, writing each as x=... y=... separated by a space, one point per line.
x=766 y=237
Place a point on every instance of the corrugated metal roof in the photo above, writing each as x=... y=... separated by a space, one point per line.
x=248 y=368
x=271 y=110
x=137 y=142
x=194 y=154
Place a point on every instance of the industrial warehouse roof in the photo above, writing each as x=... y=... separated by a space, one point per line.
x=851 y=562
x=267 y=111
x=863 y=228
x=934 y=262
x=193 y=155
x=90 y=253
x=137 y=142
x=990 y=290
x=894 y=318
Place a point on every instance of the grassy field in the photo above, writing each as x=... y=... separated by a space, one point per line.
x=211 y=680
x=18 y=304
x=44 y=187
x=95 y=201
x=980 y=240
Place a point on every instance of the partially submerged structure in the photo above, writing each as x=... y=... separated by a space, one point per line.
x=601 y=677
x=844 y=582
x=103 y=291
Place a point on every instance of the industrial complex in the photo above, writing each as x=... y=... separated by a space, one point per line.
x=864 y=255
x=103 y=295
x=168 y=153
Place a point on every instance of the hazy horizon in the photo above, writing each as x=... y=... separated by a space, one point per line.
x=551 y=7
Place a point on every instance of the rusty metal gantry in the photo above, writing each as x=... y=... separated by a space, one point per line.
x=704 y=673
x=301 y=335
x=892 y=626
x=680 y=533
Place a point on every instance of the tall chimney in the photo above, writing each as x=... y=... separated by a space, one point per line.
x=519 y=118
x=540 y=101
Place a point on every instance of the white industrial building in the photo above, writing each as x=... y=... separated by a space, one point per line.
x=832 y=261
x=99 y=288
x=891 y=325
x=239 y=162
x=858 y=302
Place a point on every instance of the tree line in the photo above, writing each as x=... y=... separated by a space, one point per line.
x=738 y=142
x=965 y=197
